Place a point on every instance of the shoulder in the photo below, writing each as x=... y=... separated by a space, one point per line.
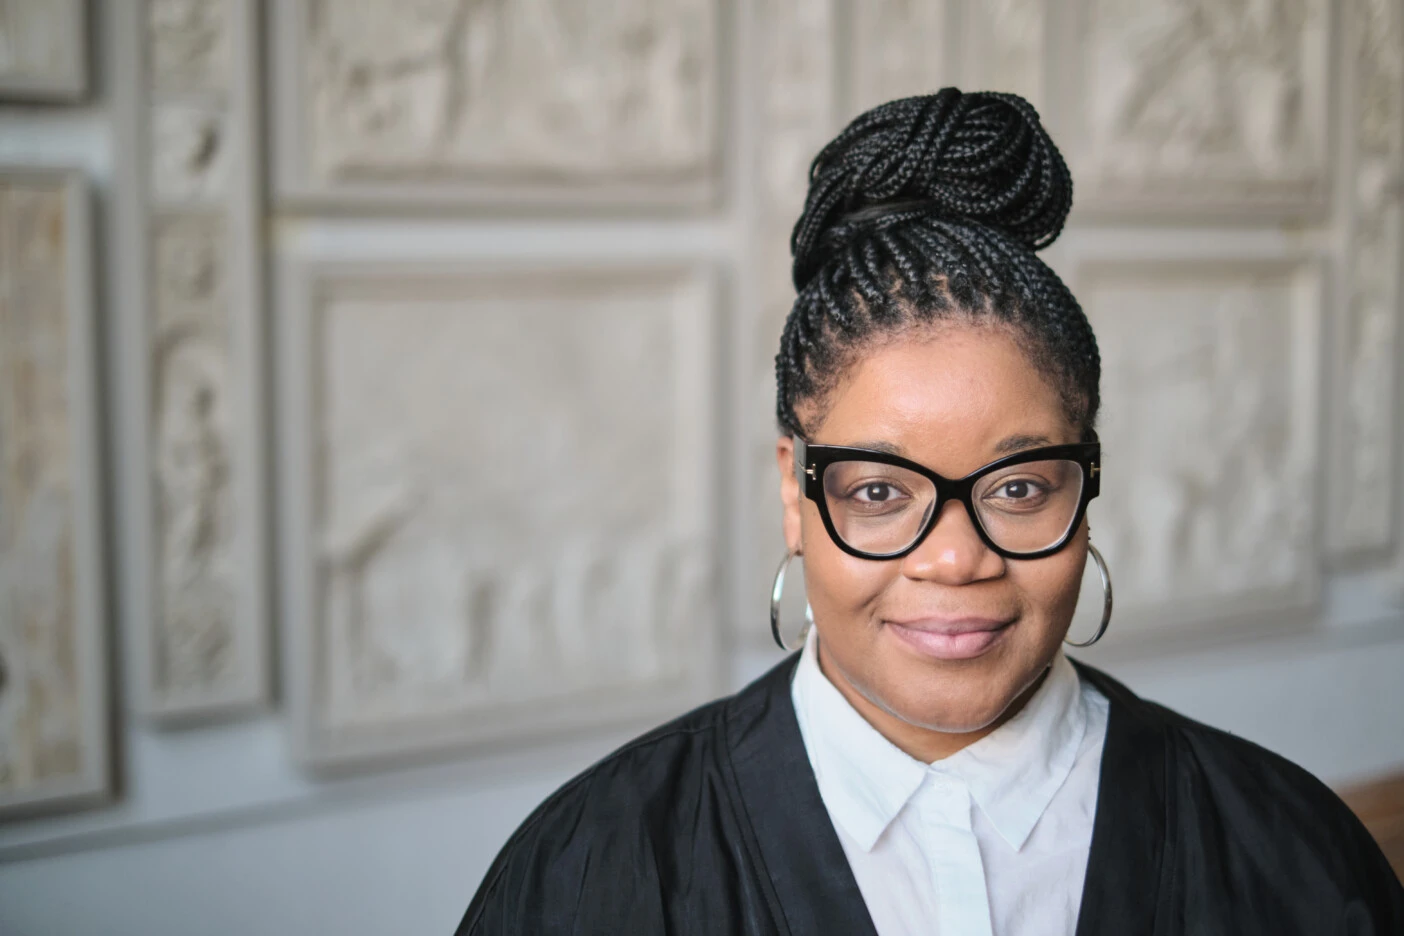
x=618 y=826
x=1258 y=814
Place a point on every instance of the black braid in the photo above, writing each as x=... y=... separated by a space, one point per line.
x=925 y=209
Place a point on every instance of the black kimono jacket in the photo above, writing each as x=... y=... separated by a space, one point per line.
x=713 y=824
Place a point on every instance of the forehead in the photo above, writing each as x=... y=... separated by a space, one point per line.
x=951 y=397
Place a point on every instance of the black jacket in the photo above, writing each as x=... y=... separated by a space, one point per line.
x=713 y=824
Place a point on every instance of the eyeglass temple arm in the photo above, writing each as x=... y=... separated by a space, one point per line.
x=802 y=473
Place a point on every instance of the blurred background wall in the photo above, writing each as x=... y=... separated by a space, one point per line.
x=386 y=403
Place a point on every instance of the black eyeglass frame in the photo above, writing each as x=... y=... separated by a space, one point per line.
x=812 y=460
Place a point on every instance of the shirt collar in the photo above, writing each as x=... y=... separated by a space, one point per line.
x=1012 y=773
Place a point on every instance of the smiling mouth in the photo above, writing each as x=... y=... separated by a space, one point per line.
x=961 y=639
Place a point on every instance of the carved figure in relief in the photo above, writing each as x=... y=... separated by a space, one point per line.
x=594 y=614
x=531 y=88
x=193 y=472
x=1208 y=79
x=190 y=160
x=188 y=42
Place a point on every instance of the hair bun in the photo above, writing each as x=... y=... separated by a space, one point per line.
x=983 y=157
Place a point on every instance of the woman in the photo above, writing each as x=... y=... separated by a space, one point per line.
x=931 y=761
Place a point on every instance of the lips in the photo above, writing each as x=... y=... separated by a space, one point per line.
x=950 y=638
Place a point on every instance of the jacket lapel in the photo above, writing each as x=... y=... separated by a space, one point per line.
x=1131 y=852
x=812 y=889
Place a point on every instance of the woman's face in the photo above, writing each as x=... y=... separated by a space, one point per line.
x=952 y=398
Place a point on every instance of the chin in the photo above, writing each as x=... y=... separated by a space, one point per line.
x=968 y=699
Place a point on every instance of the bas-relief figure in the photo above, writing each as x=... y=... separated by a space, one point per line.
x=194 y=504
x=189 y=44
x=539 y=90
x=1203 y=98
x=1370 y=335
x=189 y=153
x=1209 y=386
x=47 y=705
x=43 y=50
x=502 y=519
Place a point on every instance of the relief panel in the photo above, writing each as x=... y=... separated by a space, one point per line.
x=494 y=102
x=43 y=50
x=1195 y=108
x=509 y=519
x=53 y=688
x=1210 y=382
x=203 y=651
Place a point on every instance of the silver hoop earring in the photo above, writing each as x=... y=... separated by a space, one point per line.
x=776 y=591
x=1106 y=599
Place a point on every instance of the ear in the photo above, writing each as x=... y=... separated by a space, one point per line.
x=789 y=490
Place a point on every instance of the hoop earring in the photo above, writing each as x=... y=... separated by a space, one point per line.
x=776 y=591
x=1106 y=598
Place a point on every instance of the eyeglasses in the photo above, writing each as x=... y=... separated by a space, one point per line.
x=881 y=506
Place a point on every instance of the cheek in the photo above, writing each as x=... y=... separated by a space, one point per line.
x=839 y=585
x=1050 y=586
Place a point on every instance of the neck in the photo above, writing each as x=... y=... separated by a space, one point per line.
x=924 y=744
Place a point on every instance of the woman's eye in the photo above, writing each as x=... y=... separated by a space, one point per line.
x=1016 y=489
x=1024 y=490
x=876 y=492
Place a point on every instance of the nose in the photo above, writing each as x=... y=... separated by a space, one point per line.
x=953 y=553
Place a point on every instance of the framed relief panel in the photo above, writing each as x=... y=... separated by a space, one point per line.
x=1208 y=515
x=194 y=288
x=453 y=103
x=1169 y=109
x=499 y=509
x=43 y=50
x=54 y=742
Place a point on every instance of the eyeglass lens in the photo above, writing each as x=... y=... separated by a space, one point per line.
x=1024 y=508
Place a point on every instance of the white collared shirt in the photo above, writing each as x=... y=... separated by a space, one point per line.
x=991 y=840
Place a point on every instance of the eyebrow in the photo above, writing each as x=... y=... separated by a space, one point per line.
x=1014 y=443
x=1017 y=443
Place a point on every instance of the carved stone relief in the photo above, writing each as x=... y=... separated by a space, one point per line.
x=1210 y=387
x=205 y=653
x=189 y=44
x=511 y=516
x=1004 y=48
x=456 y=97
x=1200 y=106
x=43 y=50
x=52 y=690
x=1366 y=427
x=190 y=152
x=192 y=452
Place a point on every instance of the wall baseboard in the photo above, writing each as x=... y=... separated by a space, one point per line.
x=1380 y=805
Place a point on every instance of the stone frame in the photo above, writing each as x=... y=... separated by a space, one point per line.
x=92 y=783
x=687 y=293
x=425 y=189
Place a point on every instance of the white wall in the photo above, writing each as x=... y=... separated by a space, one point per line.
x=218 y=831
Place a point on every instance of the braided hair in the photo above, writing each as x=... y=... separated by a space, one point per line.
x=929 y=209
